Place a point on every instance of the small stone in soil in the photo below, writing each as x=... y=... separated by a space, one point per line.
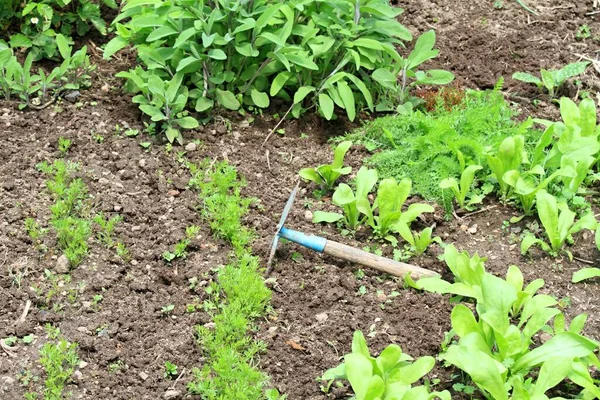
x=77 y=376
x=172 y=394
x=62 y=265
x=190 y=146
x=143 y=375
x=322 y=317
x=308 y=215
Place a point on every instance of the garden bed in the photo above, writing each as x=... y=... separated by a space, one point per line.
x=318 y=302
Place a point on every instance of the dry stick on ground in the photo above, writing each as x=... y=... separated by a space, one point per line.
x=584 y=260
x=178 y=378
x=276 y=126
x=24 y=314
x=479 y=211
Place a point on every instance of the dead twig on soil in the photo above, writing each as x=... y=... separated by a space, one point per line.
x=178 y=378
x=276 y=126
x=24 y=314
x=268 y=160
x=10 y=351
x=584 y=260
x=479 y=211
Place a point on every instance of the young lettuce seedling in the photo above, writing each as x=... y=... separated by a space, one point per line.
x=345 y=198
x=552 y=80
x=559 y=224
x=391 y=197
x=326 y=175
x=389 y=376
x=464 y=188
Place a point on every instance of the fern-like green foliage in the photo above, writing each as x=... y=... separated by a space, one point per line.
x=422 y=146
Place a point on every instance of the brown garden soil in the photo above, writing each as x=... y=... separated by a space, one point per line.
x=125 y=339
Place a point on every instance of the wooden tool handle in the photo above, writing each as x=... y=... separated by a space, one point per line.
x=383 y=264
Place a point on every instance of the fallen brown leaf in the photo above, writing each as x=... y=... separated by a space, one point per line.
x=294 y=345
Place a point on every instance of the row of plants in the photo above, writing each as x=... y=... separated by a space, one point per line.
x=545 y=173
x=494 y=340
x=237 y=296
x=73 y=221
x=312 y=55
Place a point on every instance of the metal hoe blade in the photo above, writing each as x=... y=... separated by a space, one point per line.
x=284 y=215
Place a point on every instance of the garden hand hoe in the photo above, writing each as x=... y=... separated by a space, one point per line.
x=339 y=250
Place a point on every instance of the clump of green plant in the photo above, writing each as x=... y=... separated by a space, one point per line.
x=107 y=228
x=495 y=343
x=38 y=23
x=418 y=241
x=326 y=175
x=170 y=370
x=58 y=361
x=311 y=54
x=345 y=198
x=552 y=80
x=391 y=375
x=35 y=232
x=123 y=252
x=559 y=225
x=423 y=146
x=391 y=196
x=180 y=250
x=64 y=145
x=583 y=32
x=222 y=203
x=40 y=90
x=69 y=220
x=242 y=296
x=463 y=188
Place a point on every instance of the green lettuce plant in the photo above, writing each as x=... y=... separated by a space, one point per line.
x=418 y=241
x=585 y=273
x=463 y=189
x=391 y=196
x=559 y=224
x=345 y=198
x=391 y=375
x=326 y=175
x=508 y=157
x=497 y=353
x=552 y=80
x=526 y=185
x=496 y=345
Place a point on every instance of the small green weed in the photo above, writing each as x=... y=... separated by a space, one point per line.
x=64 y=145
x=170 y=370
x=58 y=361
x=107 y=228
x=552 y=80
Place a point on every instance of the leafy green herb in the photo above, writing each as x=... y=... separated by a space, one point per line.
x=552 y=80
x=345 y=198
x=170 y=370
x=559 y=224
x=390 y=375
x=464 y=188
x=326 y=175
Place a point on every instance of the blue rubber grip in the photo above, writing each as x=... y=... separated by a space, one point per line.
x=315 y=243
